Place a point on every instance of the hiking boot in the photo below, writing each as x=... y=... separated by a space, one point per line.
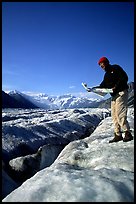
x=128 y=137
x=116 y=138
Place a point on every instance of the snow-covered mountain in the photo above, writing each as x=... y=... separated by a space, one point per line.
x=42 y=100
x=16 y=100
x=69 y=101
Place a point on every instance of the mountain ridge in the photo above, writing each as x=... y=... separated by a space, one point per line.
x=17 y=99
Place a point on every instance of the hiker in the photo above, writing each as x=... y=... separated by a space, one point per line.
x=116 y=78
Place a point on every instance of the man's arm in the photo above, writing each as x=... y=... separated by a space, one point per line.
x=123 y=78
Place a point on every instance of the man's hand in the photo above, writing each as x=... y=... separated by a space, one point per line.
x=113 y=88
x=89 y=89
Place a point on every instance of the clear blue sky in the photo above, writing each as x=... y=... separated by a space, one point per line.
x=52 y=47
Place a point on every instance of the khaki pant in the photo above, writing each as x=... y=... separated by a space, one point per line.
x=119 y=112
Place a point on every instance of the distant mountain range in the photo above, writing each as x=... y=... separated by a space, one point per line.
x=16 y=99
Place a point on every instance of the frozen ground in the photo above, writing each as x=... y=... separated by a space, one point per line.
x=86 y=170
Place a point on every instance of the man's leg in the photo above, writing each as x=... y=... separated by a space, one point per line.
x=121 y=111
x=117 y=130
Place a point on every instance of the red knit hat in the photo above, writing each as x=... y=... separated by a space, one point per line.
x=103 y=59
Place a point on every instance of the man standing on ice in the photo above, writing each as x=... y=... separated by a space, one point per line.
x=116 y=78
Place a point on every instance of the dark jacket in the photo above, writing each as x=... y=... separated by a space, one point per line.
x=116 y=77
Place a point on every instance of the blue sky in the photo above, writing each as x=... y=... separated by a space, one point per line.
x=52 y=47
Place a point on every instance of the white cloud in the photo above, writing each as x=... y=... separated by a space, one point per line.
x=72 y=87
